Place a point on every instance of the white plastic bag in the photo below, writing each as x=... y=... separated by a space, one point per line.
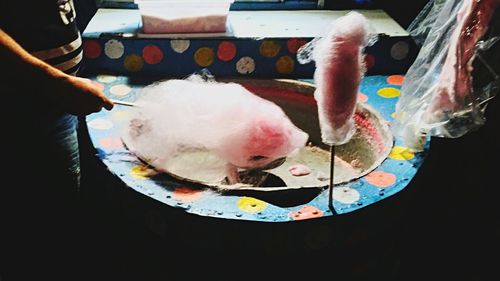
x=437 y=98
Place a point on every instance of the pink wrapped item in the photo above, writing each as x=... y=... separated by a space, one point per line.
x=454 y=86
x=439 y=97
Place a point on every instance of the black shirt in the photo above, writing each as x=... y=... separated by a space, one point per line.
x=45 y=28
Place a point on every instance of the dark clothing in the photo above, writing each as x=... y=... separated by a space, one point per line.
x=45 y=28
x=40 y=208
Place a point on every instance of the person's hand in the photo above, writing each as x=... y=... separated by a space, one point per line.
x=80 y=96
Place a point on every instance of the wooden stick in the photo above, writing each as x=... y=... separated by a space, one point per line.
x=126 y=103
x=332 y=166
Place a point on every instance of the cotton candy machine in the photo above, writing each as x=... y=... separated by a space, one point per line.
x=369 y=147
x=260 y=48
x=179 y=220
x=369 y=168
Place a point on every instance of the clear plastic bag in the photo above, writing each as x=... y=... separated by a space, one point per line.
x=447 y=88
x=419 y=28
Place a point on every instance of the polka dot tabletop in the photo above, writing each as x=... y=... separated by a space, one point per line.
x=391 y=176
x=259 y=57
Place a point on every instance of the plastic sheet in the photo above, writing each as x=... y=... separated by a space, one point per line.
x=447 y=88
x=421 y=26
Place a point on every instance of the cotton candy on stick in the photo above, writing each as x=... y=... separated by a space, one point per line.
x=339 y=70
x=243 y=129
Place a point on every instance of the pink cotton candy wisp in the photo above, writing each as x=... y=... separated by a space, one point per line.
x=339 y=69
x=241 y=128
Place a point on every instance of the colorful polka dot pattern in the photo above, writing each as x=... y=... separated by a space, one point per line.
x=345 y=194
x=141 y=172
x=103 y=78
x=388 y=92
x=251 y=205
x=369 y=61
x=186 y=194
x=362 y=97
x=152 y=54
x=400 y=50
x=245 y=65
x=114 y=49
x=294 y=44
x=179 y=46
x=269 y=48
x=381 y=179
x=120 y=90
x=204 y=56
x=386 y=180
x=285 y=65
x=401 y=153
x=92 y=49
x=226 y=51
x=307 y=212
x=120 y=114
x=111 y=143
x=262 y=57
x=396 y=80
x=133 y=63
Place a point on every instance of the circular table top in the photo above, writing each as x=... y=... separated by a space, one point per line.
x=390 y=177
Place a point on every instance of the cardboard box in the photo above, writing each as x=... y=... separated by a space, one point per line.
x=183 y=16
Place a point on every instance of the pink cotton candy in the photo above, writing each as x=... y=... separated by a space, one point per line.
x=455 y=84
x=299 y=170
x=339 y=69
x=238 y=126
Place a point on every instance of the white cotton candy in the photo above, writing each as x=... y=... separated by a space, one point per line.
x=241 y=128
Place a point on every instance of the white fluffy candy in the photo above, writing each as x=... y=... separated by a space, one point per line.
x=240 y=127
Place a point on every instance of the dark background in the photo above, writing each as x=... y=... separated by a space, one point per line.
x=444 y=225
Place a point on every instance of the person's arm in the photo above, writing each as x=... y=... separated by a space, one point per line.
x=75 y=95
